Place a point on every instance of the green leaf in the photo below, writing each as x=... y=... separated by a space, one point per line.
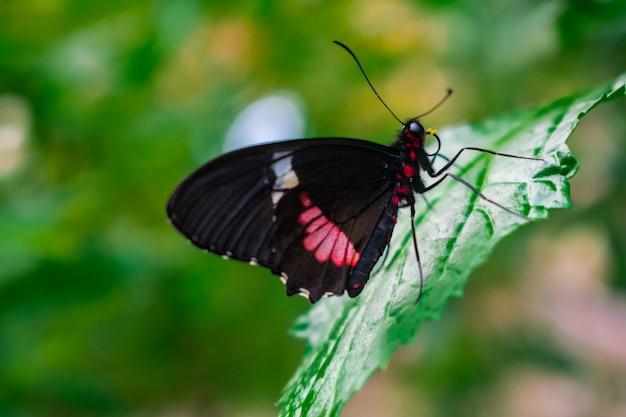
x=348 y=339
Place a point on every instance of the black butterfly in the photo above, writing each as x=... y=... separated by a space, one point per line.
x=317 y=212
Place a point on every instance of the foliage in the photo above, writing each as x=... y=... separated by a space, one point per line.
x=349 y=339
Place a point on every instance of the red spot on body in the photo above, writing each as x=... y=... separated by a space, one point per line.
x=409 y=171
x=324 y=238
x=414 y=141
x=403 y=190
x=395 y=200
x=412 y=155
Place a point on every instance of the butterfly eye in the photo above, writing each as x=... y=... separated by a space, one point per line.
x=416 y=129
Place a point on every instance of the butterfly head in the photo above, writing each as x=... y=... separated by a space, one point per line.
x=413 y=128
x=413 y=133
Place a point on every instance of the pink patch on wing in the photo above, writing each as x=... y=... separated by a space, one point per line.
x=305 y=199
x=324 y=238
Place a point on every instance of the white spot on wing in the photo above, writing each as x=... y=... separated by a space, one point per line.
x=303 y=292
x=276 y=196
x=286 y=177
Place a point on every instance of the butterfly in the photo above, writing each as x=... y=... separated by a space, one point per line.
x=319 y=213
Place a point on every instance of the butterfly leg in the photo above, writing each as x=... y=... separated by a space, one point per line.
x=430 y=207
x=417 y=253
x=435 y=174
x=432 y=160
x=475 y=190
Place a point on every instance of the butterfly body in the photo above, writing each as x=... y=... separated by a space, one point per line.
x=317 y=212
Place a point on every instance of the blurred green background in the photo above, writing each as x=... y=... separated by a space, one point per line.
x=106 y=106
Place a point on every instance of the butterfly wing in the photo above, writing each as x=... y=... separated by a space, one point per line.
x=317 y=212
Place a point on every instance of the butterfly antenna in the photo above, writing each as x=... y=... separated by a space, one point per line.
x=448 y=94
x=369 y=82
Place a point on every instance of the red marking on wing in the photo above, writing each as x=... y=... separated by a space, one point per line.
x=305 y=199
x=324 y=238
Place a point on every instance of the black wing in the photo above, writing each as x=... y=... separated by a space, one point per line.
x=317 y=212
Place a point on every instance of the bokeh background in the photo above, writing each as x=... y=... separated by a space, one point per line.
x=105 y=106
